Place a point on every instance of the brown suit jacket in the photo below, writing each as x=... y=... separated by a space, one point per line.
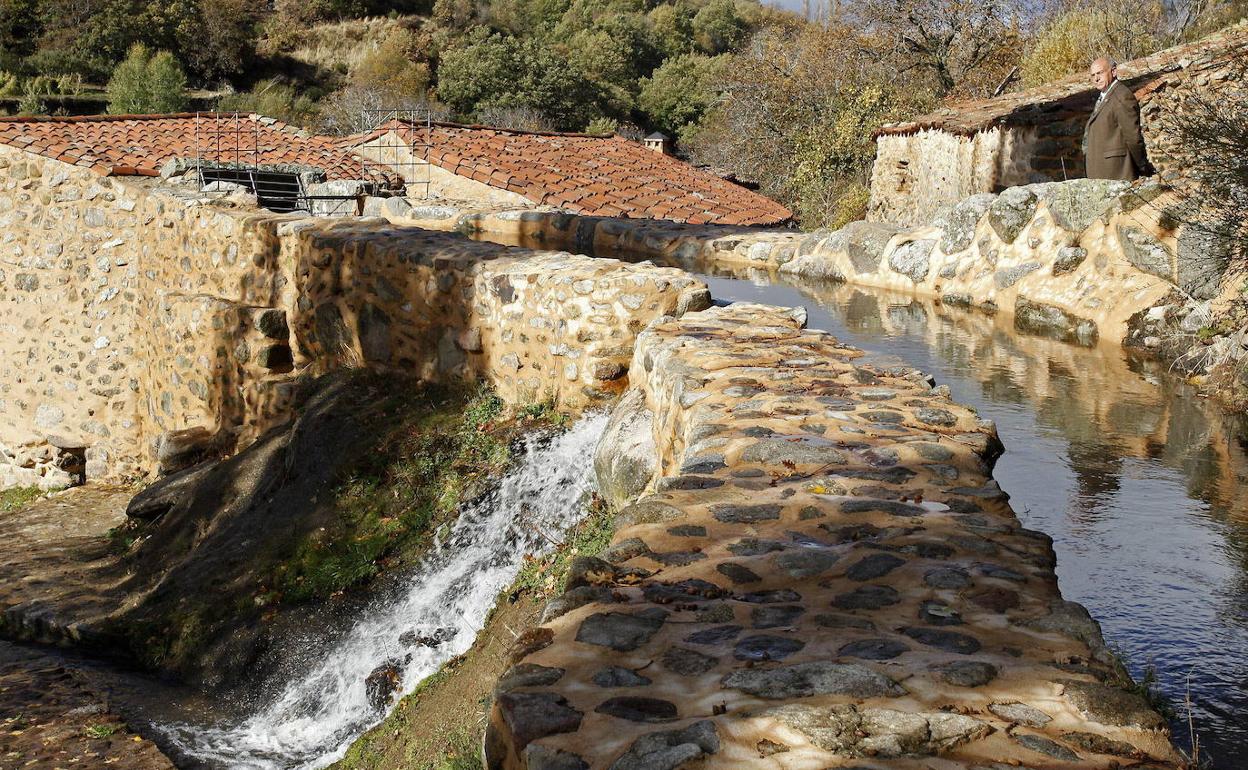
x=1113 y=145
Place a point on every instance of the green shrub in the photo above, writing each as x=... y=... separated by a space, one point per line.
x=499 y=72
x=394 y=67
x=274 y=99
x=146 y=83
x=680 y=92
x=832 y=158
x=1069 y=43
x=17 y=497
x=602 y=126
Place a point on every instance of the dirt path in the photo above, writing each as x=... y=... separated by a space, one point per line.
x=53 y=557
x=53 y=716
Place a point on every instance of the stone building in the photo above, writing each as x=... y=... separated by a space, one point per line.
x=586 y=174
x=928 y=164
x=151 y=311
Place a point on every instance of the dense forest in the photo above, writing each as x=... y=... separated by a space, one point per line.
x=784 y=99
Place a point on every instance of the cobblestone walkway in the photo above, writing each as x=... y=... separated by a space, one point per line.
x=826 y=576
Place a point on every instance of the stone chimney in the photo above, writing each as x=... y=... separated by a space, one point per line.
x=659 y=142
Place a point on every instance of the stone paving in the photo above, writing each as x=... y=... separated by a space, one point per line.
x=823 y=574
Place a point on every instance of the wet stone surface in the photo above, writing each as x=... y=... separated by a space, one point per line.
x=864 y=594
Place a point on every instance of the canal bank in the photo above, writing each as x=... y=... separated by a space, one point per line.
x=817 y=563
x=1137 y=477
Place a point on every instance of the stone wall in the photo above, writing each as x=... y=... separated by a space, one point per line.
x=1075 y=260
x=820 y=573
x=916 y=176
x=928 y=164
x=142 y=322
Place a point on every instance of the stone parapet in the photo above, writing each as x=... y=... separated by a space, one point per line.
x=1072 y=260
x=822 y=574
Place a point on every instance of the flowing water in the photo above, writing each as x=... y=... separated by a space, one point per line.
x=319 y=711
x=1142 y=484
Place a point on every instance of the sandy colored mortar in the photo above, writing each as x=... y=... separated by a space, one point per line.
x=825 y=575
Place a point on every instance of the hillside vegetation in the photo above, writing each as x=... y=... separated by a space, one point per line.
x=769 y=96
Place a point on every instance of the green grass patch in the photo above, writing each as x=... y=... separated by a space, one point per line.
x=544 y=576
x=1145 y=686
x=388 y=508
x=102 y=731
x=463 y=752
x=448 y=444
x=18 y=497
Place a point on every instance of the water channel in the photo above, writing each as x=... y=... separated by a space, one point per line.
x=1136 y=478
x=1142 y=484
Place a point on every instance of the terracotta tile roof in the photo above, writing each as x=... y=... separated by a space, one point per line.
x=130 y=145
x=584 y=173
x=1055 y=101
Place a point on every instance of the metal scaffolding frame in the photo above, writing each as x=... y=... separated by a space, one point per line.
x=401 y=147
x=228 y=148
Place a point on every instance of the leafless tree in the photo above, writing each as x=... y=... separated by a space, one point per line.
x=965 y=46
x=355 y=109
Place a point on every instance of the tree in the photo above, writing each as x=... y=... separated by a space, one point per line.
x=965 y=47
x=718 y=27
x=613 y=54
x=1068 y=43
x=680 y=92
x=798 y=108
x=217 y=38
x=672 y=25
x=146 y=83
x=496 y=71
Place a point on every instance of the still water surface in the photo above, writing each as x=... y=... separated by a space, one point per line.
x=1136 y=478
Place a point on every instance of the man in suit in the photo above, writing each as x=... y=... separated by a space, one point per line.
x=1113 y=144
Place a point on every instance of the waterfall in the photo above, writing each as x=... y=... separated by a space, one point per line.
x=316 y=716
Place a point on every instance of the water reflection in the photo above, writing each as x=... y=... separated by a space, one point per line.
x=1136 y=478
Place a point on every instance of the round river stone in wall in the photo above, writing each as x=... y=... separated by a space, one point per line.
x=873 y=649
x=949 y=641
x=766 y=647
x=686 y=662
x=776 y=617
x=912 y=259
x=867 y=598
x=805 y=562
x=616 y=676
x=638 y=709
x=620 y=631
x=968 y=673
x=874 y=566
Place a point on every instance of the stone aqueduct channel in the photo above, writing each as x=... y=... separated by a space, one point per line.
x=820 y=573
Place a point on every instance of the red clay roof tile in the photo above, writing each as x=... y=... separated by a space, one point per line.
x=141 y=144
x=587 y=174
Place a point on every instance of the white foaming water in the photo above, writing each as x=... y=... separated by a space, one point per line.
x=313 y=720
